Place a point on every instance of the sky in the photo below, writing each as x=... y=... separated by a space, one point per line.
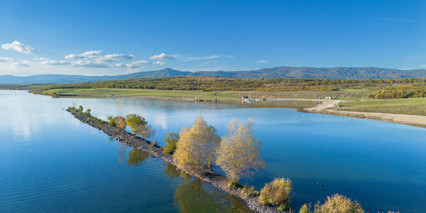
x=120 y=37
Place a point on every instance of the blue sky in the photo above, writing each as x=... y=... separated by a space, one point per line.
x=117 y=37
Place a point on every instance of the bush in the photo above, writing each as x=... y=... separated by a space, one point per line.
x=171 y=139
x=277 y=192
x=284 y=207
x=339 y=203
x=234 y=185
x=306 y=208
x=247 y=191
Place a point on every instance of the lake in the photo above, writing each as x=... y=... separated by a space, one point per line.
x=51 y=162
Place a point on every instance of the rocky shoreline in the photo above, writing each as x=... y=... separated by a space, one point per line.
x=208 y=176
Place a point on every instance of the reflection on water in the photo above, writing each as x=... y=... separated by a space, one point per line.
x=49 y=160
x=136 y=157
x=192 y=195
x=172 y=171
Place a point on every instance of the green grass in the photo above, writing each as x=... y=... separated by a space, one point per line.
x=222 y=95
x=350 y=94
x=408 y=106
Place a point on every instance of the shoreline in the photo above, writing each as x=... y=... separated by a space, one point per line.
x=324 y=108
x=208 y=176
x=327 y=105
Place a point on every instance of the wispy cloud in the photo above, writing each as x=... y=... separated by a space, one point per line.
x=18 y=47
x=56 y=63
x=90 y=64
x=6 y=60
x=21 y=64
x=261 y=61
x=137 y=64
x=85 y=55
x=158 y=63
x=161 y=56
x=115 y=57
x=200 y=58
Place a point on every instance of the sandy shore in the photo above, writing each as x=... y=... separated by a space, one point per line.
x=327 y=107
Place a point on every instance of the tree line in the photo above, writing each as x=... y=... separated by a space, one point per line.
x=240 y=84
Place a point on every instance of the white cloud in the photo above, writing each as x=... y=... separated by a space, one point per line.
x=161 y=56
x=6 y=60
x=115 y=57
x=41 y=59
x=137 y=64
x=158 y=63
x=261 y=61
x=201 y=58
x=89 y=64
x=18 y=47
x=21 y=64
x=85 y=55
x=120 y=66
x=53 y=62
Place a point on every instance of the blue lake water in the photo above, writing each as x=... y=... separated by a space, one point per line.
x=51 y=162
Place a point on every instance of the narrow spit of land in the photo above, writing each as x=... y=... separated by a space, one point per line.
x=140 y=144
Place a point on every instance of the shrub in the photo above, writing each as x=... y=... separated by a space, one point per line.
x=171 y=139
x=234 y=185
x=277 y=192
x=339 y=203
x=284 y=207
x=248 y=191
x=306 y=208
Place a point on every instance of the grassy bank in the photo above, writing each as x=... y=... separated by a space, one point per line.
x=352 y=94
x=407 y=106
x=221 y=95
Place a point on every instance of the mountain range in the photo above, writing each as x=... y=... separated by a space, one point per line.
x=276 y=72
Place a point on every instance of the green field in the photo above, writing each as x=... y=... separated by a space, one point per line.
x=347 y=94
x=220 y=95
x=206 y=96
x=408 y=106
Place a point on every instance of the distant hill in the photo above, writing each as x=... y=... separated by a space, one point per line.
x=276 y=72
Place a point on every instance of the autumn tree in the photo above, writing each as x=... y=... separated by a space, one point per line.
x=139 y=126
x=120 y=122
x=239 y=152
x=196 y=145
x=171 y=140
x=338 y=203
x=117 y=121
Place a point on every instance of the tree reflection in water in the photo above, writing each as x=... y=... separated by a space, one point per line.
x=192 y=195
x=137 y=157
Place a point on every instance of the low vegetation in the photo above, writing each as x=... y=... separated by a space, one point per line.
x=338 y=203
x=139 y=126
x=171 y=140
x=276 y=192
x=410 y=106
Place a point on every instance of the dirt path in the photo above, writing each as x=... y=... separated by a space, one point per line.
x=327 y=107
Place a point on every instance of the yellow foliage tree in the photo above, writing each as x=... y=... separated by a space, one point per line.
x=196 y=145
x=120 y=122
x=339 y=204
x=239 y=152
x=139 y=126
